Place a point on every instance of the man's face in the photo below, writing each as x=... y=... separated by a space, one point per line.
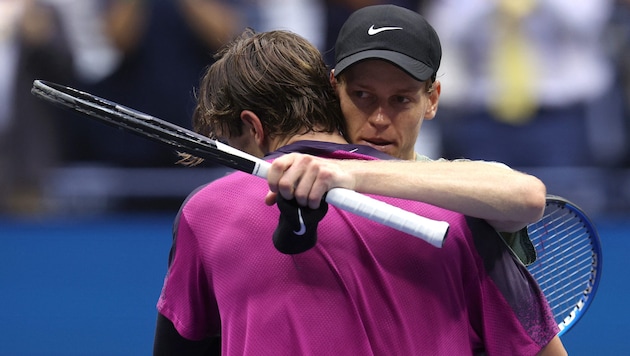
x=384 y=107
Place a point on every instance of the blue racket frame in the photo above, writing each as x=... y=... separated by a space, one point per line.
x=553 y=261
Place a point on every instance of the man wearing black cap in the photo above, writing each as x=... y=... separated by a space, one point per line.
x=387 y=59
x=389 y=56
x=387 y=62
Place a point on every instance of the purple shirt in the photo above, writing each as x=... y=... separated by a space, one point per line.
x=364 y=289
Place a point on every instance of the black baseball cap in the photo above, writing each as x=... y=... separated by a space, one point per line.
x=393 y=33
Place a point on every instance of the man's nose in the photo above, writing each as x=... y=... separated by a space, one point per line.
x=379 y=118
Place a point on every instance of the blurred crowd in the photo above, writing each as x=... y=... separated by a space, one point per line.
x=569 y=105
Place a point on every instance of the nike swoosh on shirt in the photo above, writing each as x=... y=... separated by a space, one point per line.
x=373 y=31
x=302 y=229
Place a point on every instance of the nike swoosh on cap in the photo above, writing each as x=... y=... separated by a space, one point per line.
x=373 y=31
x=302 y=229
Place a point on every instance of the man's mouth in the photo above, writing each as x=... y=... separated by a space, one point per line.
x=380 y=145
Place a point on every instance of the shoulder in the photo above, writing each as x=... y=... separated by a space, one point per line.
x=224 y=193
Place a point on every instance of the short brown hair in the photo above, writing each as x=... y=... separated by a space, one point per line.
x=278 y=75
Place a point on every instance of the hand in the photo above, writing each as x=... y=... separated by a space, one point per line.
x=306 y=178
x=297 y=226
x=38 y=25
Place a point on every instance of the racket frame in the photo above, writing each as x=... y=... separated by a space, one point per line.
x=432 y=231
x=556 y=203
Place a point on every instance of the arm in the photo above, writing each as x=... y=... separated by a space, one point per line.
x=169 y=342
x=216 y=22
x=553 y=348
x=186 y=296
x=509 y=200
x=125 y=23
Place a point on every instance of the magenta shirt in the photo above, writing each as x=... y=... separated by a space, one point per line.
x=364 y=289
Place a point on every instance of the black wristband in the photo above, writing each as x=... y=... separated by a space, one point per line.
x=297 y=226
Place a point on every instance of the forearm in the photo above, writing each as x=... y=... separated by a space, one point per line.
x=507 y=199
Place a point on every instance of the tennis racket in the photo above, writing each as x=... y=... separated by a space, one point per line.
x=568 y=267
x=184 y=140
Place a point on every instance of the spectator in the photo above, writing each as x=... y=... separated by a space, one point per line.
x=165 y=45
x=33 y=44
x=564 y=73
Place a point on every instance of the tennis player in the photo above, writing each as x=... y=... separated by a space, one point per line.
x=363 y=289
x=387 y=58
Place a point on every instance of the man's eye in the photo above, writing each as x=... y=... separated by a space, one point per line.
x=402 y=99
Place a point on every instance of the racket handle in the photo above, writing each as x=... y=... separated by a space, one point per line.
x=431 y=231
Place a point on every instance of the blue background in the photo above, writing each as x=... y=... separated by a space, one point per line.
x=89 y=285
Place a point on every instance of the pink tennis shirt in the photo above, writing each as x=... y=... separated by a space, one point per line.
x=364 y=289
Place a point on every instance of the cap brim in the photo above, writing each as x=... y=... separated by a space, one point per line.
x=416 y=69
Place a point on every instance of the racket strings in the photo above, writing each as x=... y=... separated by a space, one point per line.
x=566 y=259
x=570 y=253
x=562 y=304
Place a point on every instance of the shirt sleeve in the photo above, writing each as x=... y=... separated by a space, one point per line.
x=521 y=245
x=516 y=317
x=186 y=298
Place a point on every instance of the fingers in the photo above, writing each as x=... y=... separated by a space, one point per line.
x=270 y=198
x=277 y=171
x=299 y=176
x=311 y=191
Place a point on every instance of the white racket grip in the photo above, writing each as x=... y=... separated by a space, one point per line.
x=431 y=231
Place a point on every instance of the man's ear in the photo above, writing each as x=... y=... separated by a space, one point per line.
x=333 y=80
x=253 y=127
x=434 y=99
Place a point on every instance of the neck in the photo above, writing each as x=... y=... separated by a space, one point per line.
x=311 y=136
